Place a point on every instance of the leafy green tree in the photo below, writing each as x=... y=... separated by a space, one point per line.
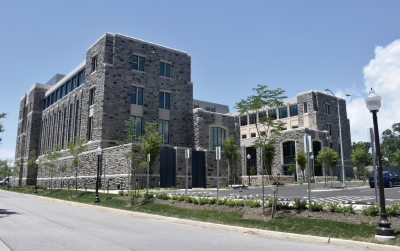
x=396 y=157
x=360 y=157
x=292 y=168
x=301 y=160
x=329 y=158
x=366 y=146
x=269 y=154
x=6 y=169
x=75 y=148
x=2 y=115
x=33 y=165
x=51 y=157
x=232 y=153
x=390 y=143
x=254 y=104
x=17 y=171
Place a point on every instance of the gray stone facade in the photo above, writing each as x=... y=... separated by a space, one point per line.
x=42 y=127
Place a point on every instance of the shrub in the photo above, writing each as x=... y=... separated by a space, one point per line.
x=393 y=209
x=282 y=205
x=270 y=202
x=239 y=203
x=348 y=209
x=204 y=201
x=162 y=196
x=213 y=201
x=148 y=195
x=231 y=202
x=121 y=193
x=195 y=200
x=188 y=199
x=316 y=206
x=181 y=198
x=334 y=207
x=253 y=171
x=253 y=203
x=371 y=210
x=220 y=202
x=174 y=197
x=299 y=204
x=42 y=187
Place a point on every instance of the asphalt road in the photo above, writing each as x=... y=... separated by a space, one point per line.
x=28 y=223
x=361 y=195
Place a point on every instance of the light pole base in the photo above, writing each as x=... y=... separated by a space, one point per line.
x=96 y=200
x=385 y=238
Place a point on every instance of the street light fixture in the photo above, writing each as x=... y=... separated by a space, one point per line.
x=340 y=133
x=383 y=232
x=248 y=172
x=98 y=152
x=37 y=167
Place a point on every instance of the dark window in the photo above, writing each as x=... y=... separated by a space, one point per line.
x=94 y=63
x=243 y=120
x=76 y=118
x=163 y=129
x=90 y=124
x=328 y=128
x=165 y=69
x=164 y=100
x=140 y=96
x=283 y=112
x=212 y=109
x=289 y=152
x=294 y=127
x=253 y=118
x=58 y=128
x=244 y=136
x=67 y=88
x=63 y=128
x=253 y=135
x=138 y=63
x=272 y=113
x=91 y=96
x=138 y=126
x=196 y=106
x=293 y=110
x=70 y=123
x=327 y=110
x=62 y=91
x=261 y=115
x=74 y=83
x=208 y=109
x=44 y=104
x=133 y=95
x=252 y=162
x=81 y=77
x=305 y=107
x=217 y=136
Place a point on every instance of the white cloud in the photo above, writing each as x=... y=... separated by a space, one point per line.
x=383 y=75
x=6 y=153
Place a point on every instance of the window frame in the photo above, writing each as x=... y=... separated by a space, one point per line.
x=282 y=108
x=92 y=93
x=166 y=69
x=305 y=107
x=329 y=128
x=137 y=123
x=162 y=131
x=291 y=107
x=218 y=142
x=94 y=63
x=139 y=64
x=137 y=97
x=164 y=100
x=327 y=109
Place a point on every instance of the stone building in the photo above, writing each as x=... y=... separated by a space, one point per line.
x=314 y=113
x=123 y=77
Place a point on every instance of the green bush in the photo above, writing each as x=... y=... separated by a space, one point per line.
x=181 y=198
x=270 y=202
x=334 y=207
x=253 y=171
x=148 y=195
x=253 y=203
x=393 y=209
x=239 y=203
x=204 y=201
x=372 y=210
x=299 y=204
x=348 y=209
x=220 y=202
x=195 y=201
x=174 y=197
x=213 y=201
x=316 y=206
x=231 y=203
x=41 y=187
x=162 y=196
x=121 y=193
x=282 y=205
x=188 y=199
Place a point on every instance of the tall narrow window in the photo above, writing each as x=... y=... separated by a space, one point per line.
x=138 y=126
x=74 y=83
x=327 y=110
x=62 y=91
x=283 y=112
x=272 y=113
x=63 y=128
x=305 y=107
x=217 y=136
x=328 y=128
x=67 y=88
x=94 y=63
x=136 y=95
x=289 y=152
x=164 y=100
x=253 y=118
x=293 y=110
x=90 y=124
x=138 y=63
x=59 y=127
x=54 y=130
x=91 y=96
x=261 y=115
x=76 y=118
x=81 y=76
x=243 y=120
x=70 y=123
x=165 y=69
x=163 y=129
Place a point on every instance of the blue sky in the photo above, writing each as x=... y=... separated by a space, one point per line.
x=235 y=45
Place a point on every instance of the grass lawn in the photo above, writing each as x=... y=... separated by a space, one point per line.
x=290 y=224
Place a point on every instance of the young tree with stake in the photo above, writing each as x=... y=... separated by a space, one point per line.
x=75 y=148
x=301 y=160
x=232 y=153
x=328 y=157
x=52 y=156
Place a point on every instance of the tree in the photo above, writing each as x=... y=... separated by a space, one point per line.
x=232 y=153
x=75 y=148
x=390 y=143
x=254 y=104
x=32 y=163
x=292 y=168
x=5 y=169
x=328 y=157
x=151 y=144
x=269 y=154
x=396 y=157
x=52 y=156
x=360 y=157
x=301 y=160
x=2 y=115
x=366 y=146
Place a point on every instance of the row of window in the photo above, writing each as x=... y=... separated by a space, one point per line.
x=138 y=65
x=60 y=127
x=137 y=98
x=272 y=113
x=328 y=110
x=64 y=89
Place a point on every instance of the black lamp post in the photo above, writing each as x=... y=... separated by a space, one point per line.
x=37 y=167
x=248 y=172
x=98 y=152
x=383 y=232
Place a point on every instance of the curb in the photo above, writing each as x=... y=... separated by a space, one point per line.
x=266 y=233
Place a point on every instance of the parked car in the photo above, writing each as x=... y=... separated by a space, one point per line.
x=389 y=179
x=4 y=181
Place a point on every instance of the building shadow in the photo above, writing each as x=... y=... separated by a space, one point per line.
x=6 y=212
